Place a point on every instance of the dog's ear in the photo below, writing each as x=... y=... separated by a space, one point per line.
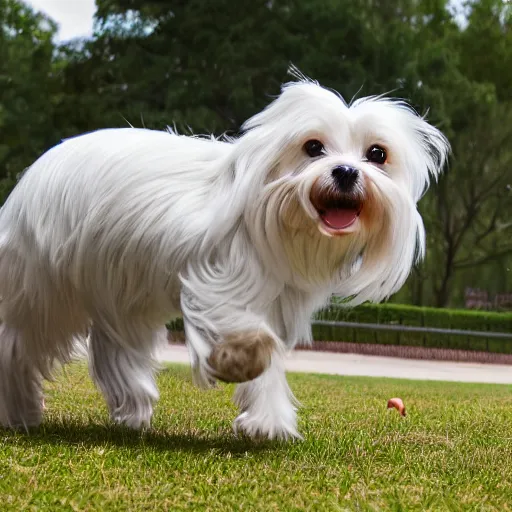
x=434 y=145
x=426 y=149
x=430 y=154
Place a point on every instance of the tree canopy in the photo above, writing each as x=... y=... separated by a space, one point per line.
x=207 y=65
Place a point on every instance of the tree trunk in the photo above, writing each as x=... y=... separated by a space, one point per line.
x=443 y=292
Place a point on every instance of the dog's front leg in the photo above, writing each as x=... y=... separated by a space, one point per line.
x=267 y=405
x=227 y=343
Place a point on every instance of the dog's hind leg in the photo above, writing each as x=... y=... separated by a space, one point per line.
x=123 y=367
x=21 y=397
x=34 y=335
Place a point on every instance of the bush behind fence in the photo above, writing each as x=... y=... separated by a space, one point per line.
x=397 y=314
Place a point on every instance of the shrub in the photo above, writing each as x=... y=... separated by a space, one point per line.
x=398 y=314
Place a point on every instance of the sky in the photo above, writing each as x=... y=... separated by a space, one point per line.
x=74 y=17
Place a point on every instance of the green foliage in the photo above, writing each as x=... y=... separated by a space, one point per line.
x=26 y=89
x=468 y=214
x=176 y=325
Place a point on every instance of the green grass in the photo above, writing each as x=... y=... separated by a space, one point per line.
x=452 y=452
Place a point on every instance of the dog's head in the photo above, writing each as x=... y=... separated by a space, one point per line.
x=329 y=190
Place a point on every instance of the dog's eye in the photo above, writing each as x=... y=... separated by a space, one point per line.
x=376 y=154
x=314 y=148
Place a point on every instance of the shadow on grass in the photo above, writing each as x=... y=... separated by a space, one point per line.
x=91 y=435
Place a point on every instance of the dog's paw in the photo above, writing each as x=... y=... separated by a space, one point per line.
x=270 y=428
x=136 y=421
x=21 y=423
x=242 y=357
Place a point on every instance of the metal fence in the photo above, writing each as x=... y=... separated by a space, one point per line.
x=409 y=328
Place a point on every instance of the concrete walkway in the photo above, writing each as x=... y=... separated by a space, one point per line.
x=376 y=366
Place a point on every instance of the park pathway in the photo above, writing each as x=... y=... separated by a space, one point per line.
x=376 y=366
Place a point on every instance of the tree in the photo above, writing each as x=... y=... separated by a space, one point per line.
x=468 y=214
x=211 y=65
x=26 y=89
x=470 y=217
x=208 y=65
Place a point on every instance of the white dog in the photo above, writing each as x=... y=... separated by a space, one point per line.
x=116 y=231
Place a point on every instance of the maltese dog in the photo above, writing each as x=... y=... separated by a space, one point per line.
x=110 y=234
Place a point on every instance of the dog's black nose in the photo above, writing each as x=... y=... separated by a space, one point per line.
x=345 y=176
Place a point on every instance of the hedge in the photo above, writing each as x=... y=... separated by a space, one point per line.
x=176 y=325
x=398 y=314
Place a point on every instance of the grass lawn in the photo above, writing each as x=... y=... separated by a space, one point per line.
x=453 y=451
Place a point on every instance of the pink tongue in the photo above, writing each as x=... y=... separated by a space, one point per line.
x=340 y=218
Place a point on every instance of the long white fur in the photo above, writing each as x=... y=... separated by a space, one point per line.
x=115 y=231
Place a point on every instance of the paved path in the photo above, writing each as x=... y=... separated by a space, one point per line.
x=376 y=366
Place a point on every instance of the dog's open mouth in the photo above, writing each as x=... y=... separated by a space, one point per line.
x=339 y=214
